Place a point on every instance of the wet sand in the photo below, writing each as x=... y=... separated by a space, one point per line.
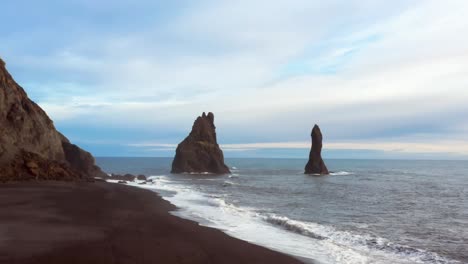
x=100 y=223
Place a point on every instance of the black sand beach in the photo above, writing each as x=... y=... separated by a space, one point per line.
x=57 y=222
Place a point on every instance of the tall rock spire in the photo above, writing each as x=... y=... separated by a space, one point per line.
x=316 y=164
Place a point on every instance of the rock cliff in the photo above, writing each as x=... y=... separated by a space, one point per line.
x=199 y=152
x=315 y=165
x=30 y=146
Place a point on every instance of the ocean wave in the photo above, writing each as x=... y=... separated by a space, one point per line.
x=225 y=206
x=329 y=244
x=289 y=225
x=157 y=177
x=357 y=241
x=320 y=232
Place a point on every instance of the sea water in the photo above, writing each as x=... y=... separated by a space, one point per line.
x=366 y=211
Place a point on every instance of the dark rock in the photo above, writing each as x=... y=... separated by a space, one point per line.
x=30 y=146
x=24 y=125
x=129 y=177
x=199 y=152
x=316 y=164
x=124 y=182
x=126 y=177
x=80 y=160
x=141 y=177
x=31 y=166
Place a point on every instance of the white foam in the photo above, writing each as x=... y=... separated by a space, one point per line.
x=341 y=173
x=112 y=181
x=229 y=183
x=198 y=173
x=307 y=240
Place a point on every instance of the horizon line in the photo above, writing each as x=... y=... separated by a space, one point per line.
x=297 y=158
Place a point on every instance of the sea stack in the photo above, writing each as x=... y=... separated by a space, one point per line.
x=316 y=164
x=30 y=146
x=199 y=152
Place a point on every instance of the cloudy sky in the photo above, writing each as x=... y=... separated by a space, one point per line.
x=383 y=79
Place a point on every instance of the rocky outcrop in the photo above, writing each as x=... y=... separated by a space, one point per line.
x=31 y=166
x=80 y=160
x=30 y=146
x=199 y=152
x=126 y=177
x=315 y=165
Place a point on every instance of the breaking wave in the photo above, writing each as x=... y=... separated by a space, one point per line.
x=305 y=239
x=358 y=241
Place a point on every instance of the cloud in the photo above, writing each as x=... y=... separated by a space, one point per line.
x=366 y=71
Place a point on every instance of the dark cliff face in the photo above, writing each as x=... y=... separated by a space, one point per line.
x=24 y=125
x=315 y=165
x=30 y=146
x=199 y=152
x=80 y=160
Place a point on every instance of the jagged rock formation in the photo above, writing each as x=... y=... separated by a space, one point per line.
x=79 y=159
x=315 y=165
x=30 y=146
x=199 y=152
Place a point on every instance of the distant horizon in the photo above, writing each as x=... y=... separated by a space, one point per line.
x=297 y=158
x=383 y=80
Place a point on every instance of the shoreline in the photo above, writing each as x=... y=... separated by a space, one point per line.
x=57 y=222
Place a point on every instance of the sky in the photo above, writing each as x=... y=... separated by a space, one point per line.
x=383 y=79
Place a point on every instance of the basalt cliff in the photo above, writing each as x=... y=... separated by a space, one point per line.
x=199 y=152
x=315 y=165
x=30 y=146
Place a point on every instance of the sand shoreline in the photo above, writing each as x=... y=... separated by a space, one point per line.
x=57 y=222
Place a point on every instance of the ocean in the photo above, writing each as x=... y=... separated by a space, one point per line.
x=366 y=211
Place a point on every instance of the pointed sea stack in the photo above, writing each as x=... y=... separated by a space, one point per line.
x=30 y=146
x=200 y=152
x=316 y=164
